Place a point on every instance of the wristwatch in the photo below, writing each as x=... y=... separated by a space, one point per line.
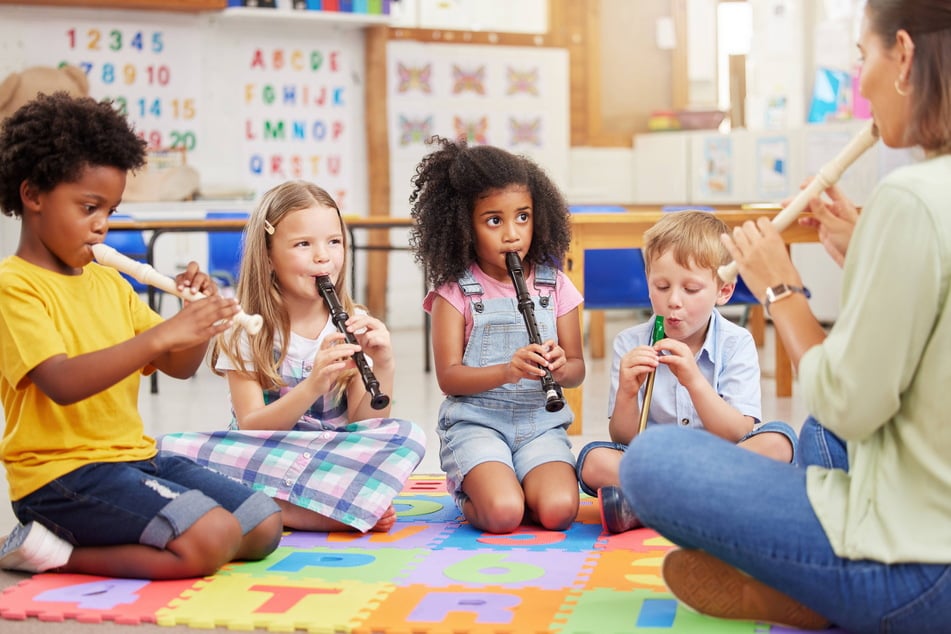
x=782 y=291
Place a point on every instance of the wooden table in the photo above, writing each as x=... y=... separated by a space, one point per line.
x=157 y=228
x=626 y=231
x=589 y=231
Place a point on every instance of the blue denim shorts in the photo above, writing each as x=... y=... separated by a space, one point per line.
x=776 y=427
x=148 y=502
x=521 y=438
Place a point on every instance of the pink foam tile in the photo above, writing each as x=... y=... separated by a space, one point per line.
x=89 y=599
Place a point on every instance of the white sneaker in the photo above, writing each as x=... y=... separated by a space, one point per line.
x=34 y=548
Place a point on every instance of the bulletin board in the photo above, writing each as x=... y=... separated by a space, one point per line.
x=515 y=98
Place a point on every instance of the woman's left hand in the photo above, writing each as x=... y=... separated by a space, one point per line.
x=762 y=256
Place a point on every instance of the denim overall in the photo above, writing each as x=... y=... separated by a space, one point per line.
x=509 y=423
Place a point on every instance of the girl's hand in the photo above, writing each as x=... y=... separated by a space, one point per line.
x=680 y=359
x=835 y=221
x=334 y=357
x=555 y=356
x=198 y=321
x=373 y=337
x=195 y=280
x=761 y=255
x=527 y=363
x=635 y=366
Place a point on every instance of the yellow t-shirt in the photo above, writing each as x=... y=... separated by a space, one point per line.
x=44 y=314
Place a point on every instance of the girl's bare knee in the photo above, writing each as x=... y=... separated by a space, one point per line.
x=558 y=512
x=496 y=515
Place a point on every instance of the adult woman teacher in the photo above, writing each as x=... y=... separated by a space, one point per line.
x=859 y=537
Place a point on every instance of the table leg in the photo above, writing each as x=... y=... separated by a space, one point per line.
x=153 y=295
x=574 y=397
x=783 y=369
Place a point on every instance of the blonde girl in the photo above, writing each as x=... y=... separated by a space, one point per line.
x=302 y=429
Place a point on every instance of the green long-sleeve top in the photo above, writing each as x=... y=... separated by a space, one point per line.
x=882 y=379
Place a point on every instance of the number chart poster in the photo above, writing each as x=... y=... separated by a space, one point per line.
x=148 y=67
x=298 y=102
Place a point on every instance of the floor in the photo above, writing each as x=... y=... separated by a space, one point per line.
x=201 y=403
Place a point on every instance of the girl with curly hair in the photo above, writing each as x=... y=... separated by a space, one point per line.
x=504 y=455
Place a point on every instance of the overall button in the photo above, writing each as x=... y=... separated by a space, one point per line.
x=684 y=421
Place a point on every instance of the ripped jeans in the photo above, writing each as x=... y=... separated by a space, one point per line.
x=145 y=502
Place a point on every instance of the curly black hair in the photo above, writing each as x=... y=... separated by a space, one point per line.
x=448 y=182
x=53 y=138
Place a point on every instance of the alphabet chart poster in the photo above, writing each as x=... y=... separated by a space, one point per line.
x=297 y=102
x=148 y=66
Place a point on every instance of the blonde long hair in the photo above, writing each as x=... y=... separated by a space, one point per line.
x=258 y=290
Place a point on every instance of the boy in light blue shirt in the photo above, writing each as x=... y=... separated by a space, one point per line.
x=707 y=368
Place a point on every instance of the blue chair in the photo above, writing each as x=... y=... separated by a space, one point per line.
x=224 y=250
x=132 y=244
x=613 y=278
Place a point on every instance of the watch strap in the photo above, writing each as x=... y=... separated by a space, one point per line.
x=782 y=291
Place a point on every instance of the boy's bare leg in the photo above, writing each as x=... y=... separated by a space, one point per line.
x=214 y=540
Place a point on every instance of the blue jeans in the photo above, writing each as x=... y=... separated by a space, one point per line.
x=147 y=502
x=775 y=427
x=700 y=491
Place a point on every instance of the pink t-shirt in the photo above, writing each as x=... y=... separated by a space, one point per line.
x=565 y=295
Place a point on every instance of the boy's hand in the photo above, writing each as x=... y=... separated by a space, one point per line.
x=195 y=280
x=198 y=322
x=680 y=359
x=635 y=366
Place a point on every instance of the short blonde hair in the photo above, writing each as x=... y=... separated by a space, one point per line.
x=692 y=236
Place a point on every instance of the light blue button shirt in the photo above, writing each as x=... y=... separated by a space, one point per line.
x=728 y=360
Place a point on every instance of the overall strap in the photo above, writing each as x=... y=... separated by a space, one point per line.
x=472 y=289
x=545 y=276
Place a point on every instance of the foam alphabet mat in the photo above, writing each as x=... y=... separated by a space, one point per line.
x=431 y=574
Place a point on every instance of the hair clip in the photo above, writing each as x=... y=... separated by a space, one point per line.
x=269 y=228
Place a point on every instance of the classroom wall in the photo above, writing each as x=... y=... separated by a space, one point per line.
x=255 y=100
x=213 y=60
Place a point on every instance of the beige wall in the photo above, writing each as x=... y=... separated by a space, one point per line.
x=635 y=74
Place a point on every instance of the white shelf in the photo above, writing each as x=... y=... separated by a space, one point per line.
x=296 y=16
